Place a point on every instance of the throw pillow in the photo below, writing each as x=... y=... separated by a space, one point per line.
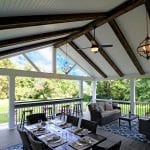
x=108 y=106
x=101 y=105
x=99 y=108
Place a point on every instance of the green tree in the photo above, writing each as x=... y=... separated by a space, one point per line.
x=143 y=89
x=6 y=63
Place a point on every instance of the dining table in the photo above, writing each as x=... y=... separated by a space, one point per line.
x=57 y=137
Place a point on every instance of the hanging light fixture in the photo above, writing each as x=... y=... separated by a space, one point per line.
x=66 y=66
x=144 y=47
x=94 y=47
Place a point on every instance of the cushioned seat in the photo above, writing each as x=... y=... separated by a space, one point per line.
x=110 y=112
x=104 y=112
x=144 y=126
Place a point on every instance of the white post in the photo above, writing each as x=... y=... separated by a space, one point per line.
x=94 y=91
x=11 y=102
x=81 y=93
x=53 y=60
x=132 y=96
x=81 y=89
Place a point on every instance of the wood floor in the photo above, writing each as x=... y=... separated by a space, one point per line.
x=11 y=137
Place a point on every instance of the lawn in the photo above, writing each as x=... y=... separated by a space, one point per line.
x=3 y=111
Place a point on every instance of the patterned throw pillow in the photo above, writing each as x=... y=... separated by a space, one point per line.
x=99 y=108
x=108 y=106
x=101 y=105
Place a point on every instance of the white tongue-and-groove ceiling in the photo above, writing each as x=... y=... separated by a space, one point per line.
x=132 y=24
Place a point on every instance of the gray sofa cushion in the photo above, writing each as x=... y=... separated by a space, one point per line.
x=110 y=112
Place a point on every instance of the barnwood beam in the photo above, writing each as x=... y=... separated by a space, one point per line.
x=104 y=54
x=76 y=48
x=27 y=48
x=31 y=38
x=26 y=21
x=147 y=4
x=119 y=10
x=126 y=45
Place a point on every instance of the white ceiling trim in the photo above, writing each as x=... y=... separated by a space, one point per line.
x=22 y=73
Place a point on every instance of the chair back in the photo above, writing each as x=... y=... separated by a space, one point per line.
x=90 y=125
x=36 y=145
x=25 y=140
x=73 y=120
x=33 y=118
x=116 y=146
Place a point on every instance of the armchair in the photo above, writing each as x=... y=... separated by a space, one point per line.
x=144 y=126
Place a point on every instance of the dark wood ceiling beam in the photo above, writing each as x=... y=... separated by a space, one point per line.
x=76 y=48
x=126 y=45
x=31 y=38
x=27 y=48
x=105 y=55
x=26 y=21
x=147 y=4
x=119 y=10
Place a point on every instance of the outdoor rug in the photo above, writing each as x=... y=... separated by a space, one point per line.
x=15 y=147
x=125 y=131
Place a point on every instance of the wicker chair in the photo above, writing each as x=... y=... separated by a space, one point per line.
x=33 y=118
x=73 y=120
x=25 y=140
x=144 y=126
x=90 y=125
x=37 y=145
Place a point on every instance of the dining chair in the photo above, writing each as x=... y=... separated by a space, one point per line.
x=90 y=125
x=33 y=118
x=73 y=120
x=24 y=137
x=36 y=145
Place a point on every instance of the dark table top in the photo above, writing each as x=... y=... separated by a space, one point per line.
x=65 y=134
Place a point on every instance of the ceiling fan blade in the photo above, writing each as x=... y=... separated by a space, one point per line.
x=106 y=45
x=83 y=48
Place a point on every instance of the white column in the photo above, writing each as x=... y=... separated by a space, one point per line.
x=11 y=102
x=53 y=60
x=94 y=91
x=132 y=96
x=81 y=89
x=81 y=93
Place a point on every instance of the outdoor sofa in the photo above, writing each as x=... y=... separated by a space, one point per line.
x=104 y=112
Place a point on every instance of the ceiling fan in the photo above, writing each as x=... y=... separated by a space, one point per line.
x=94 y=47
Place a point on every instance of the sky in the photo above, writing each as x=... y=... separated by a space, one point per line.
x=42 y=59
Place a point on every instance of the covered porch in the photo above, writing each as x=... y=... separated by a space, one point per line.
x=62 y=36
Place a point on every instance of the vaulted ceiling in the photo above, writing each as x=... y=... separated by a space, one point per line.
x=30 y=24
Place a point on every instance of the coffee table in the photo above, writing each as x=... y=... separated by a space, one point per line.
x=128 y=118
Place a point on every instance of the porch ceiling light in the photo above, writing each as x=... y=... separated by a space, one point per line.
x=144 y=47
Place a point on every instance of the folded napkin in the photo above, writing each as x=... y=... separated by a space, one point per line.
x=83 y=143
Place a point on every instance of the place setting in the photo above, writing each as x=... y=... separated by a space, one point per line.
x=83 y=143
x=64 y=125
x=39 y=129
x=80 y=131
x=52 y=140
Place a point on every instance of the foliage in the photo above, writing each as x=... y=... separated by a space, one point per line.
x=113 y=89
x=35 y=88
x=143 y=89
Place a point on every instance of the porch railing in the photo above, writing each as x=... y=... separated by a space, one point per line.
x=142 y=108
x=37 y=106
